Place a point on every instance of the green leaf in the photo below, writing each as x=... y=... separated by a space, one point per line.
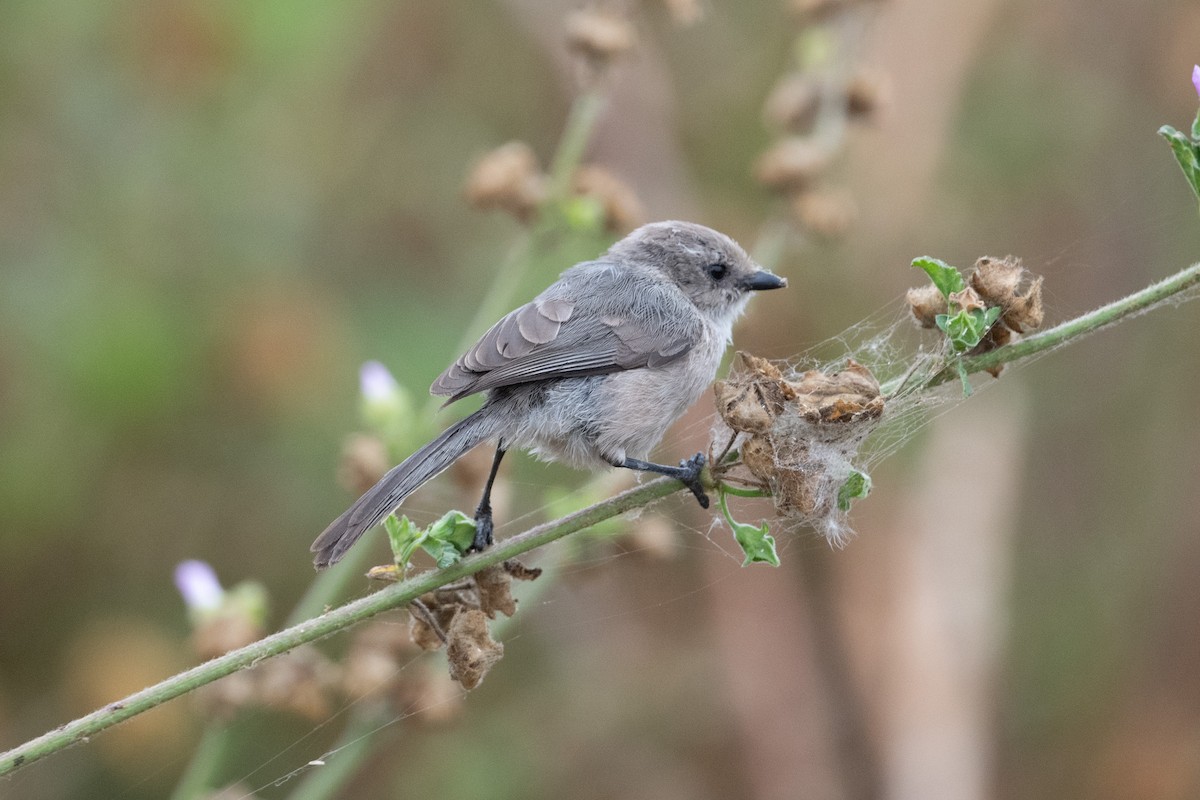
x=1187 y=153
x=756 y=542
x=404 y=537
x=965 y=329
x=856 y=487
x=1196 y=128
x=449 y=538
x=962 y=376
x=945 y=277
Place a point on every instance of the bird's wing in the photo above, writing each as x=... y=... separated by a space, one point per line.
x=554 y=336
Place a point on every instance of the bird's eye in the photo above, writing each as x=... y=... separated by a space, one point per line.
x=717 y=271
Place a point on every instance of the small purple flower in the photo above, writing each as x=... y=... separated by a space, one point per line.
x=1196 y=78
x=378 y=385
x=199 y=586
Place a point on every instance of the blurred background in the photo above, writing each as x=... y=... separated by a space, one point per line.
x=211 y=213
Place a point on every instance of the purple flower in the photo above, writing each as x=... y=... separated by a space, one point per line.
x=1196 y=78
x=199 y=585
x=378 y=385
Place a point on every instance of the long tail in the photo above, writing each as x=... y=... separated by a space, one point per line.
x=401 y=481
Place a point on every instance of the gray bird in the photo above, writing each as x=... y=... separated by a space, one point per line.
x=592 y=372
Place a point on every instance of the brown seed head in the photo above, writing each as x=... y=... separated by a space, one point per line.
x=926 y=302
x=868 y=93
x=826 y=213
x=792 y=104
x=471 y=651
x=1006 y=283
x=791 y=164
x=622 y=210
x=509 y=179
x=599 y=35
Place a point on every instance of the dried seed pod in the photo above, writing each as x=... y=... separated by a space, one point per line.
x=827 y=213
x=817 y=423
x=968 y=299
x=792 y=104
x=471 y=650
x=868 y=92
x=926 y=302
x=599 y=35
x=846 y=396
x=623 y=211
x=509 y=179
x=224 y=631
x=750 y=401
x=791 y=164
x=1006 y=283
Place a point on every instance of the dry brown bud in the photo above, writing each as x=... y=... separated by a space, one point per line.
x=867 y=94
x=1006 y=283
x=471 y=650
x=508 y=179
x=791 y=164
x=837 y=407
x=750 y=406
x=846 y=396
x=967 y=299
x=622 y=210
x=226 y=631
x=494 y=594
x=364 y=461
x=599 y=35
x=826 y=213
x=927 y=301
x=792 y=104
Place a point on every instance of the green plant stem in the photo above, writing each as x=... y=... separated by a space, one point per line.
x=1102 y=317
x=585 y=110
x=339 y=619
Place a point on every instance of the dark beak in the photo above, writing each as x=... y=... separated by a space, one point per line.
x=762 y=280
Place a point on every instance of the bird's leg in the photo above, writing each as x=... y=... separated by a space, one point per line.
x=483 y=512
x=688 y=473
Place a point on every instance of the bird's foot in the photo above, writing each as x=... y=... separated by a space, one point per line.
x=483 y=531
x=689 y=474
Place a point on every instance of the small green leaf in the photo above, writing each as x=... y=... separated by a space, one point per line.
x=1187 y=153
x=404 y=537
x=1196 y=128
x=756 y=542
x=962 y=376
x=449 y=538
x=856 y=487
x=965 y=329
x=945 y=277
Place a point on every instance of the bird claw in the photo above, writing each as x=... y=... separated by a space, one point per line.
x=483 y=533
x=690 y=469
